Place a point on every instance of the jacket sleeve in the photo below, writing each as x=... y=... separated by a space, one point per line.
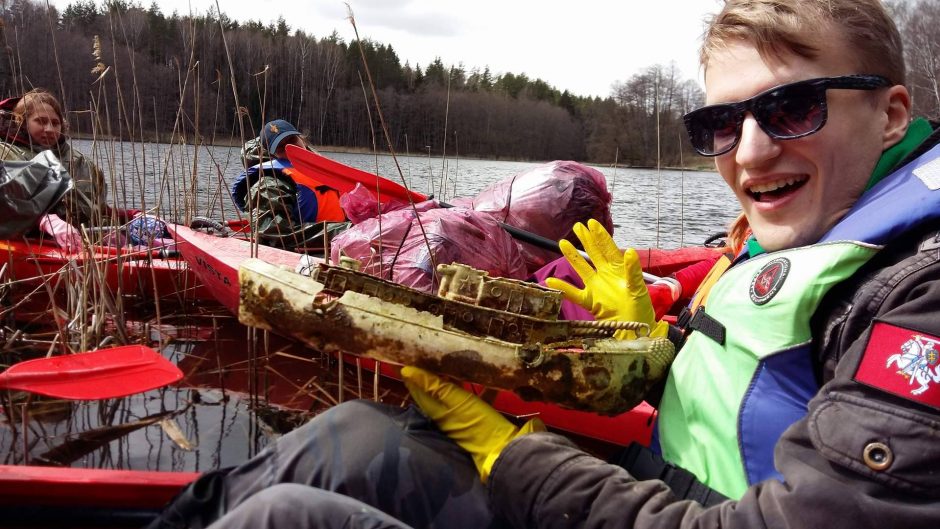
x=544 y=481
x=87 y=202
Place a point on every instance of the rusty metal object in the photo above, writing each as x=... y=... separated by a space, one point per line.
x=460 y=312
x=402 y=326
x=463 y=283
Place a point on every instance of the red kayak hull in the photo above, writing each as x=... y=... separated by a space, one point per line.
x=665 y=262
x=75 y=497
x=215 y=260
x=148 y=274
x=31 y=485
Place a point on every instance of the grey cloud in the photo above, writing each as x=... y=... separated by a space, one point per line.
x=404 y=16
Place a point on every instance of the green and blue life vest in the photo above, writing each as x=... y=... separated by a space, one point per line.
x=730 y=395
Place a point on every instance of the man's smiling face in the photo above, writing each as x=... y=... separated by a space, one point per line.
x=794 y=191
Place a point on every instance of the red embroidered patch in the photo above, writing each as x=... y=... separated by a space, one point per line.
x=768 y=280
x=902 y=362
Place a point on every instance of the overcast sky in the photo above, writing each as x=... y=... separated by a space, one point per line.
x=583 y=46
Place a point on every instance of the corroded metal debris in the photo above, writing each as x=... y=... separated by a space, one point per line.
x=497 y=332
x=463 y=283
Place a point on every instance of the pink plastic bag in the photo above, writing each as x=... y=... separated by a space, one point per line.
x=360 y=204
x=548 y=200
x=453 y=235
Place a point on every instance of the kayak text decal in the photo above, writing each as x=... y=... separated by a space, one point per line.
x=211 y=269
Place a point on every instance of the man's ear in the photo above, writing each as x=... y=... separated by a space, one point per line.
x=898 y=113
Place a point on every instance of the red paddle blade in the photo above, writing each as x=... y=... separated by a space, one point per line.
x=102 y=374
x=344 y=178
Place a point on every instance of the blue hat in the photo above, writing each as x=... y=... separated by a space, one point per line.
x=274 y=131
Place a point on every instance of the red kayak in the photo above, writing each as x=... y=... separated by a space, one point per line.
x=33 y=496
x=215 y=260
x=151 y=274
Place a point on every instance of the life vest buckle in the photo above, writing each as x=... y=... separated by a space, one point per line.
x=708 y=326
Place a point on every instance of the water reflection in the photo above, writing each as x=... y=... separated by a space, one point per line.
x=242 y=389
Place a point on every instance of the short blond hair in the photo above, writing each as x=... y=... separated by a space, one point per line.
x=776 y=27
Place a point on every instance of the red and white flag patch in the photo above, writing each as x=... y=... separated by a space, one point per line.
x=902 y=362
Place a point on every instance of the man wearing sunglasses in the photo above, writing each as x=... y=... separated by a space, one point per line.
x=807 y=389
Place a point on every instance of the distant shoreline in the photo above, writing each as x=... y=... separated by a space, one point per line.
x=230 y=142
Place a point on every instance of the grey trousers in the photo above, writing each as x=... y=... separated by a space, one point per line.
x=290 y=505
x=392 y=459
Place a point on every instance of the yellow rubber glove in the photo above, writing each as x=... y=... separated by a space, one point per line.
x=464 y=417
x=613 y=288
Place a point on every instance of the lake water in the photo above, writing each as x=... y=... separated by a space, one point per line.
x=651 y=208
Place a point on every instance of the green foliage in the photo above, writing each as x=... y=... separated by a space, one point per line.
x=436 y=74
x=282 y=29
x=81 y=15
x=511 y=84
x=118 y=6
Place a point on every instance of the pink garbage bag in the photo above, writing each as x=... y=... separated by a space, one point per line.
x=453 y=235
x=548 y=200
x=360 y=204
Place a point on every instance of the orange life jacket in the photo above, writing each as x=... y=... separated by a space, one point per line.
x=328 y=207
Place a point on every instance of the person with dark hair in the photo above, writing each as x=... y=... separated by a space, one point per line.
x=806 y=392
x=34 y=123
x=288 y=209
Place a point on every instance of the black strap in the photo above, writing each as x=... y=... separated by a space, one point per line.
x=644 y=464
x=324 y=189
x=682 y=321
x=708 y=326
x=924 y=146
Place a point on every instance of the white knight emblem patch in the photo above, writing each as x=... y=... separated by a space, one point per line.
x=917 y=362
x=903 y=362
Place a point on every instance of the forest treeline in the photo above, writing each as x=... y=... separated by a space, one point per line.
x=134 y=72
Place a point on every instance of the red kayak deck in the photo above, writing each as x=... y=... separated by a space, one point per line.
x=215 y=260
x=664 y=262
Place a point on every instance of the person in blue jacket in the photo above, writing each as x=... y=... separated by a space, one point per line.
x=287 y=208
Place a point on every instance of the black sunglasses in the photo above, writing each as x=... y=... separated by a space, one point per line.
x=785 y=112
